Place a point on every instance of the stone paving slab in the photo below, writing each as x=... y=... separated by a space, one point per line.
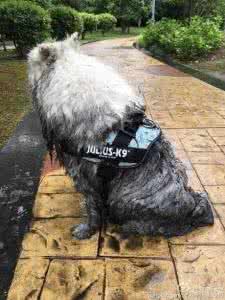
x=113 y=245
x=193 y=181
x=68 y=279
x=211 y=174
x=215 y=132
x=28 y=279
x=207 y=158
x=220 y=209
x=53 y=238
x=56 y=184
x=58 y=205
x=172 y=136
x=197 y=140
x=216 y=193
x=209 y=235
x=137 y=279
x=200 y=271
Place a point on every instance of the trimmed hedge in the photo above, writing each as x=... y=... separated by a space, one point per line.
x=64 y=21
x=90 y=23
x=186 y=41
x=25 y=23
x=106 y=22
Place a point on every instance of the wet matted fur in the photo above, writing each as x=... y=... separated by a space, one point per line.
x=79 y=101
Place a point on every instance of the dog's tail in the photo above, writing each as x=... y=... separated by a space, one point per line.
x=202 y=215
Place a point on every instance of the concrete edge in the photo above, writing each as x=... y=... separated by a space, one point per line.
x=184 y=68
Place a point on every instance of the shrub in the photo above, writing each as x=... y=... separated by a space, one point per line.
x=106 y=22
x=25 y=23
x=65 y=20
x=43 y=3
x=90 y=22
x=185 y=40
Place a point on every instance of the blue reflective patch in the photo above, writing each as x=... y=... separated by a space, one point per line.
x=111 y=137
x=144 y=137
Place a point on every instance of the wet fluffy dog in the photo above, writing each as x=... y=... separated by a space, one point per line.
x=80 y=100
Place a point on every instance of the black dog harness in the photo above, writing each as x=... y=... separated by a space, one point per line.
x=123 y=149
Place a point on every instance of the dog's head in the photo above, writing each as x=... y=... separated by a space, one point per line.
x=44 y=55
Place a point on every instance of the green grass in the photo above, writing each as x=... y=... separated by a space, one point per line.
x=98 y=36
x=217 y=65
x=14 y=98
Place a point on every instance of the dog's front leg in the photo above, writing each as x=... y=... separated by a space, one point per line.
x=86 y=230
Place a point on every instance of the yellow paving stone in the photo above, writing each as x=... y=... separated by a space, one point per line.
x=200 y=271
x=173 y=138
x=221 y=112
x=216 y=131
x=208 y=235
x=222 y=148
x=181 y=154
x=215 y=158
x=193 y=181
x=197 y=141
x=211 y=174
x=72 y=279
x=211 y=122
x=58 y=205
x=216 y=193
x=220 y=140
x=56 y=184
x=52 y=237
x=58 y=172
x=140 y=279
x=112 y=244
x=220 y=209
x=28 y=279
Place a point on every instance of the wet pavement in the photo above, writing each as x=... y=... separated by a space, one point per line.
x=53 y=266
x=20 y=164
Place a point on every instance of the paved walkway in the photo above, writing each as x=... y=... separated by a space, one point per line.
x=53 y=266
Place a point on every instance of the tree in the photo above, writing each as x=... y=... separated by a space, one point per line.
x=24 y=23
x=181 y=9
x=64 y=21
x=43 y=3
x=128 y=12
x=90 y=23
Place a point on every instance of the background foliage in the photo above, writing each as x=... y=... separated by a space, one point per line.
x=25 y=23
x=64 y=21
x=188 y=40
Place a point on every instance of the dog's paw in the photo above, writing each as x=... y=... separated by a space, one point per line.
x=81 y=232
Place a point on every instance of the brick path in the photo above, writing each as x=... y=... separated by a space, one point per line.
x=52 y=266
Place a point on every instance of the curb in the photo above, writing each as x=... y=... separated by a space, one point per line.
x=21 y=162
x=184 y=68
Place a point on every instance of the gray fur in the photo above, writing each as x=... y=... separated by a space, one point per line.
x=77 y=109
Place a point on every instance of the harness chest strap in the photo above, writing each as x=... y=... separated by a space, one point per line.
x=124 y=148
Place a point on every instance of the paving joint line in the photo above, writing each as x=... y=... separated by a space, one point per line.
x=193 y=165
x=175 y=271
x=96 y=258
x=45 y=278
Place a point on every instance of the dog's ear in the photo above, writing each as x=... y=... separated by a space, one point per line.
x=75 y=36
x=47 y=53
x=73 y=40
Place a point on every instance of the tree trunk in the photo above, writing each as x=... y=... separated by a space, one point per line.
x=2 y=40
x=83 y=35
x=139 y=22
x=190 y=10
x=4 y=45
x=123 y=27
